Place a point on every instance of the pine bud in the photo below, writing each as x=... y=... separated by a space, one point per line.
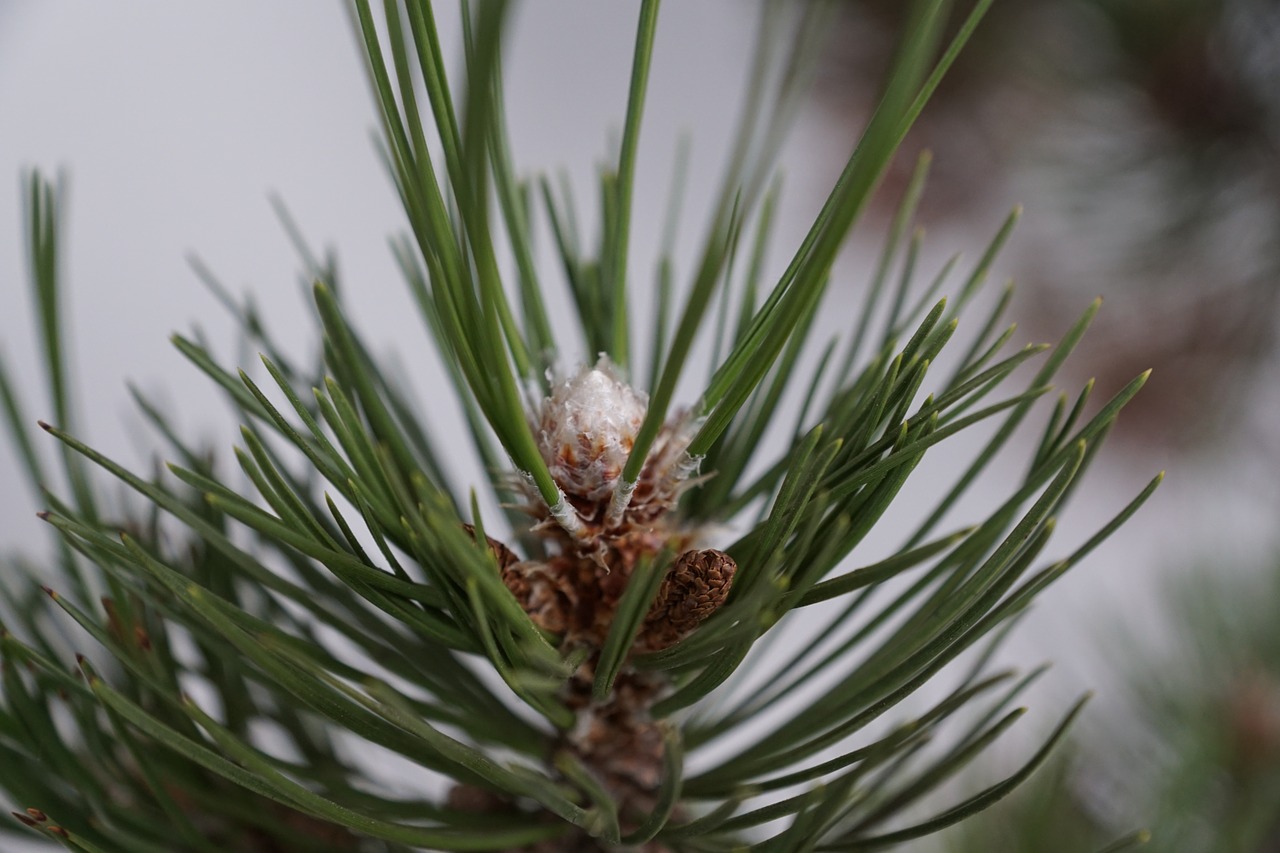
x=586 y=430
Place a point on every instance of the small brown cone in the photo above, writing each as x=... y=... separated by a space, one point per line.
x=539 y=588
x=506 y=557
x=549 y=592
x=696 y=586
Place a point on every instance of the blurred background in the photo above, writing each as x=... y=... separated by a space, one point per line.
x=1143 y=139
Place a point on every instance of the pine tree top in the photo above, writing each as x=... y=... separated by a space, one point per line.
x=247 y=637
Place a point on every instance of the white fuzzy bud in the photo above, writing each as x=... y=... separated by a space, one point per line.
x=586 y=430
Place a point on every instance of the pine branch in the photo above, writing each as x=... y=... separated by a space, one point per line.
x=553 y=685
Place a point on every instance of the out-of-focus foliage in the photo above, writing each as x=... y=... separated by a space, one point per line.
x=1197 y=760
x=1152 y=132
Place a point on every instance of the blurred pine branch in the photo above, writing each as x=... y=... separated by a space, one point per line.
x=1194 y=752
